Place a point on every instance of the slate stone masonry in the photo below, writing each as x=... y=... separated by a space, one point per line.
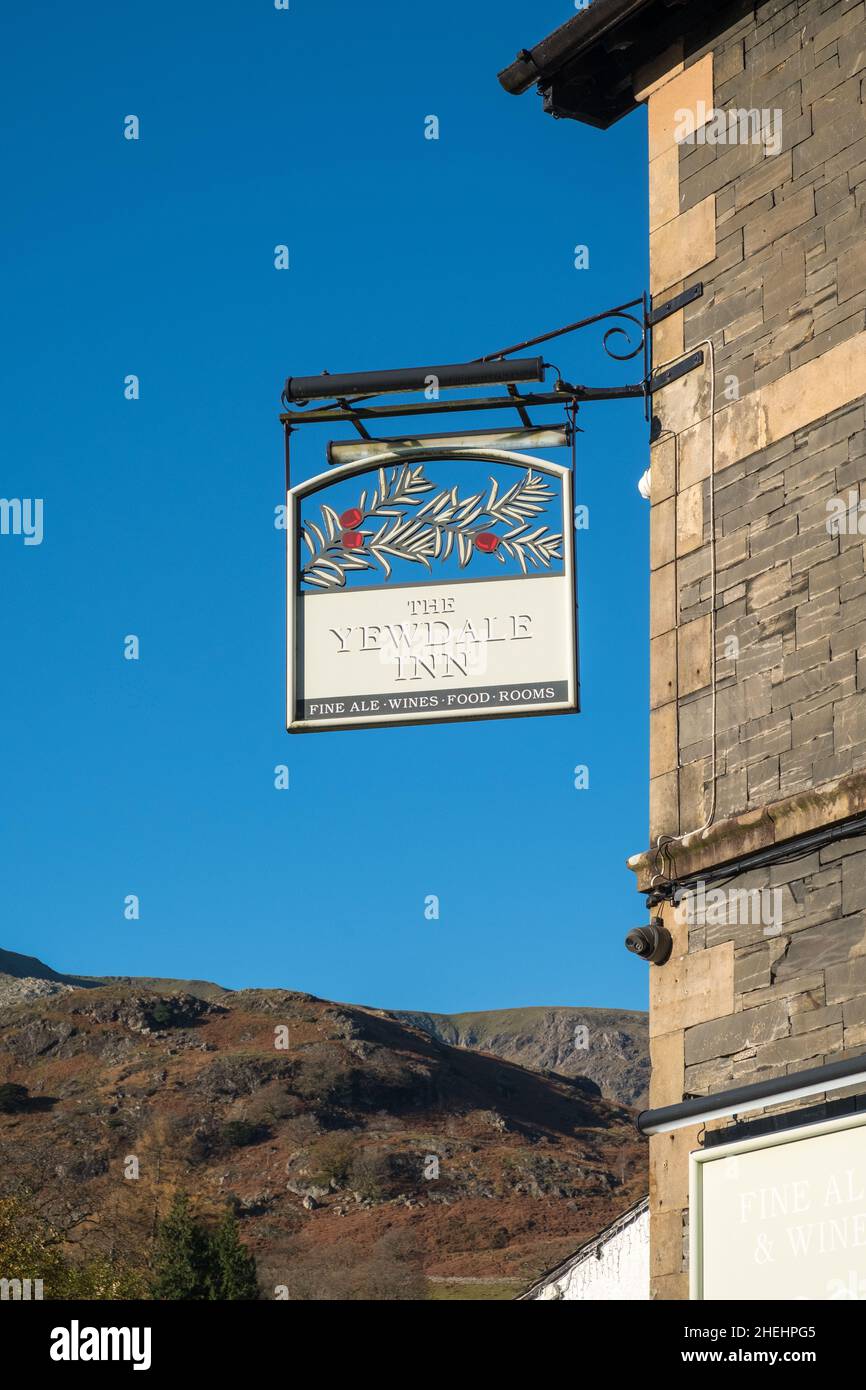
x=778 y=242
x=789 y=279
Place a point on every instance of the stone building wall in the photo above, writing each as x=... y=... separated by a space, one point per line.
x=779 y=243
x=799 y=975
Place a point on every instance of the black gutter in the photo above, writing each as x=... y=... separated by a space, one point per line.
x=587 y=68
x=569 y=41
x=747 y=1097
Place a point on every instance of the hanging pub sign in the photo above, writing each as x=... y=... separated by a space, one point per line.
x=431 y=583
x=432 y=576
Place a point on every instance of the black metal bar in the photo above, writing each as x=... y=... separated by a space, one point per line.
x=647 y=356
x=448 y=375
x=331 y=415
x=361 y=428
x=664 y=378
x=671 y=306
x=558 y=332
x=748 y=1097
x=515 y=395
x=609 y=393
x=288 y=431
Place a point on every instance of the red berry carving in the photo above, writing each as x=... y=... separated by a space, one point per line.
x=352 y=518
x=352 y=539
x=487 y=542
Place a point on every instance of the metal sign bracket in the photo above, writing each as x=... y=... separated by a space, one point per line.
x=673 y=373
x=670 y=306
x=350 y=398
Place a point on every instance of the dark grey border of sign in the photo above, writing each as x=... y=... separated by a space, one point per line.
x=559 y=697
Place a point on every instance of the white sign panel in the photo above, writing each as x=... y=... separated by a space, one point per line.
x=388 y=624
x=783 y=1216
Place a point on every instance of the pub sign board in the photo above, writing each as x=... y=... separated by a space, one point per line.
x=781 y=1216
x=430 y=585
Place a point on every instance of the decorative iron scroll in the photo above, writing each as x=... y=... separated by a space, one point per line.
x=443 y=524
x=627 y=334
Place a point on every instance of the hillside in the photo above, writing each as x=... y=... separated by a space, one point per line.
x=354 y=1146
x=23 y=977
x=608 y=1045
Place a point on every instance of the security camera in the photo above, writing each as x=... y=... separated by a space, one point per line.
x=653 y=943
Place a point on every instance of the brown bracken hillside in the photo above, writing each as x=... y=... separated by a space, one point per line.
x=344 y=1138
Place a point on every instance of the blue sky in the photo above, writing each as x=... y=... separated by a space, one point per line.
x=156 y=257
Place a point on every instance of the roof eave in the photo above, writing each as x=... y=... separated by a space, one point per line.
x=569 y=41
x=588 y=68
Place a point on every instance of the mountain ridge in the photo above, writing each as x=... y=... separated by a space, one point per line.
x=613 y=1050
x=610 y=1046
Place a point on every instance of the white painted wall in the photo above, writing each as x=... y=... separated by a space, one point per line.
x=610 y=1269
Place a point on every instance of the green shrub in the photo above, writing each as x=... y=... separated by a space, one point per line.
x=331 y=1160
x=162 y=1014
x=370 y=1175
x=239 y=1134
